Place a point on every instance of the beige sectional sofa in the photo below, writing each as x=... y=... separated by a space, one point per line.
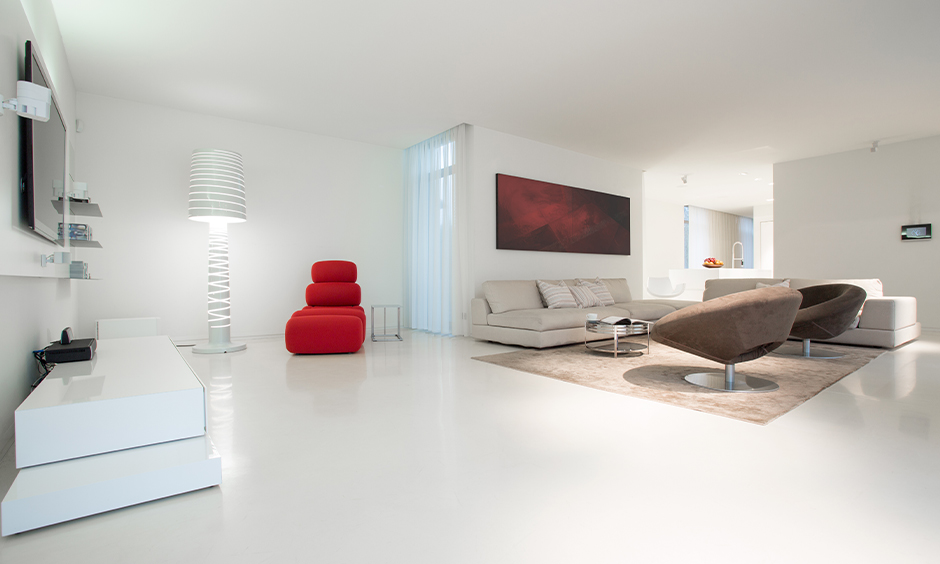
x=885 y=322
x=512 y=312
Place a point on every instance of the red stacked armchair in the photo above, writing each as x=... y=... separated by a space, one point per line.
x=333 y=321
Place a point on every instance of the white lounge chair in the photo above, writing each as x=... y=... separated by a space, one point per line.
x=663 y=288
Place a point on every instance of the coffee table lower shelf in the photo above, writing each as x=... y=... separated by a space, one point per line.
x=616 y=333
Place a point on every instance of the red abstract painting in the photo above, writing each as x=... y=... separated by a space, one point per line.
x=540 y=216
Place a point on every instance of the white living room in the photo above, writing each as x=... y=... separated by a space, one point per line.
x=471 y=420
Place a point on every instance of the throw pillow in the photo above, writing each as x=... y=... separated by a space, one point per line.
x=618 y=288
x=585 y=297
x=599 y=289
x=784 y=284
x=556 y=295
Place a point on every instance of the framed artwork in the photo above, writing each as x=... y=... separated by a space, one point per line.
x=540 y=216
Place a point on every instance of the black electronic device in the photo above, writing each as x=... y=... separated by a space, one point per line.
x=66 y=336
x=72 y=351
x=42 y=156
x=917 y=232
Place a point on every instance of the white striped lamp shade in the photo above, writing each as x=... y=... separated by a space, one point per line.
x=217 y=187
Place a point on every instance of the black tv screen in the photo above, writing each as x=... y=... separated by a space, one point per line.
x=43 y=158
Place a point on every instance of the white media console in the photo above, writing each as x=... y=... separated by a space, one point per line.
x=124 y=428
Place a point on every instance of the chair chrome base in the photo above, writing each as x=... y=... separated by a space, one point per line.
x=728 y=383
x=806 y=352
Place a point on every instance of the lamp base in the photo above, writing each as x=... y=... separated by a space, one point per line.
x=218 y=348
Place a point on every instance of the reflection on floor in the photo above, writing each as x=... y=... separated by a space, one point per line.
x=411 y=452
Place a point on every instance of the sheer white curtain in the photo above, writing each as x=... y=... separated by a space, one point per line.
x=436 y=235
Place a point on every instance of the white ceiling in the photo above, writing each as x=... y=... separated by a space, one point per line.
x=701 y=87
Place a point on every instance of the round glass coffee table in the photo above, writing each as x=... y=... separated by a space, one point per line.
x=616 y=332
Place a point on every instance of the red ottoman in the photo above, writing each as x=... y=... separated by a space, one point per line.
x=355 y=311
x=333 y=321
x=321 y=334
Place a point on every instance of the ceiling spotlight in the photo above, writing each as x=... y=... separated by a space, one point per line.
x=685 y=178
x=874 y=146
x=770 y=199
x=743 y=174
x=758 y=179
x=770 y=184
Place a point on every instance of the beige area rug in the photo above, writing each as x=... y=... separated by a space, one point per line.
x=659 y=376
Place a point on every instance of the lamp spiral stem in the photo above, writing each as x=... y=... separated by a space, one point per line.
x=220 y=303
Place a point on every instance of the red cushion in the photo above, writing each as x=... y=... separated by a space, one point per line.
x=333 y=294
x=333 y=271
x=355 y=311
x=324 y=334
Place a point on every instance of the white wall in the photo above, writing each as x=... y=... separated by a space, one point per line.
x=309 y=197
x=840 y=216
x=19 y=253
x=34 y=306
x=42 y=19
x=663 y=239
x=762 y=214
x=491 y=152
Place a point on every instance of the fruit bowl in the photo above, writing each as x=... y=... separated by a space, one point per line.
x=712 y=262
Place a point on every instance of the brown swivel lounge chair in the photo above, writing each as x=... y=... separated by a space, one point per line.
x=827 y=311
x=732 y=329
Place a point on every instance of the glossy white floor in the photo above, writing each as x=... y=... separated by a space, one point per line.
x=411 y=452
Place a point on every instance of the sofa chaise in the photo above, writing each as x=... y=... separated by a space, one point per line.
x=513 y=312
x=885 y=322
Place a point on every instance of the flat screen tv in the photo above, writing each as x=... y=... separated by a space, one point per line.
x=42 y=150
x=532 y=215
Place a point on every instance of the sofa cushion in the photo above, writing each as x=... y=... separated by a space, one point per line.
x=600 y=290
x=508 y=295
x=585 y=297
x=333 y=294
x=784 y=284
x=324 y=334
x=355 y=311
x=333 y=271
x=543 y=319
x=717 y=287
x=872 y=286
x=889 y=314
x=677 y=304
x=556 y=296
x=619 y=289
x=640 y=309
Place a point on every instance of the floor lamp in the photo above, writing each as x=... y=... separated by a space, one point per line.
x=217 y=197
